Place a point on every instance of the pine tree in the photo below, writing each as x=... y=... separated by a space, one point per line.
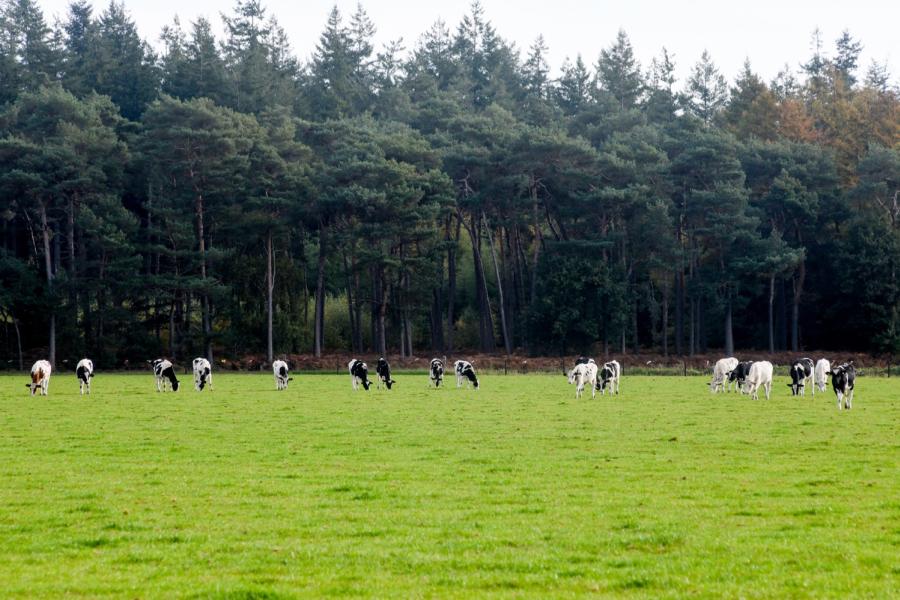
x=707 y=90
x=619 y=73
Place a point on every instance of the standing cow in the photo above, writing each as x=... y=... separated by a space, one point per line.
x=40 y=377
x=609 y=376
x=739 y=375
x=359 y=374
x=465 y=372
x=165 y=374
x=280 y=371
x=84 y=371
x=823 y=366
x=760 y=376
x=383 y=370
x=843 y=380
x=437 y=372
x=202 y=373
x=722 y=368
x=584 y=374
x=801 y=374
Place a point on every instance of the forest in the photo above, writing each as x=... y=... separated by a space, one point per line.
x=214 y=195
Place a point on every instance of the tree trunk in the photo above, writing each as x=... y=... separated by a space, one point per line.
x=350 y=304
x=505 y=331
x=772 y=313
x=319 y=333
x=270 y=293
x=486 y=321
x=48 y=267
x=798 y=281
x=380 y=341
x=679 y=313
x=204 y=296
x=665 y=320
x=729 y=333
x=451 y=280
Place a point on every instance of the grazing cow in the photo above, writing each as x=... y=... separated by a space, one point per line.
x=437 y=371
x=801 y=372
x=739 y=375
x=823 y=366
x=584 y=373
x=280 y=370
x=165 y=374
x=359 y=374
x=84 y=371
x=383 y=370
x=723 y=367
x=40 y=377
x=760 y=375
x=610 y=374
x=202 y=373
x=465 y=372
x=843 y=379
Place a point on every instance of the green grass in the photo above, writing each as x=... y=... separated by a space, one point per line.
x=514 y=490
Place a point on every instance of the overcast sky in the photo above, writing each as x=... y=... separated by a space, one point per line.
x=770 y=32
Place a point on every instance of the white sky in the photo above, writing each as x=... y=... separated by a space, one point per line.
x=770 y=32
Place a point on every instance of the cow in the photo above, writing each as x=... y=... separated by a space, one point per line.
x=801 y=372
x=760 y=376
x=823 y=366
x=202 y=373
x=465 y=372
x=359 y=374
x=84 y=371
x=843 y=379
x=584 y=373
x=739 y=375
x=722 y=368
x=40 y=377
x=437 y=371
x=609 y=376
x=280 y=370
x=383 y=370
x=165 y=374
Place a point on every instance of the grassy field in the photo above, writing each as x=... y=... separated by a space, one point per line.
x=514 y=490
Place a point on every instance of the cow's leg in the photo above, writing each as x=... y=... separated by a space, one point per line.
x=850 y=399
x=840 y=399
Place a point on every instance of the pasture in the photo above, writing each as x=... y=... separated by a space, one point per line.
x=516 y=490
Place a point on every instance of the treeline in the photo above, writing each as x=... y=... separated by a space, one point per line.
x=221 y=196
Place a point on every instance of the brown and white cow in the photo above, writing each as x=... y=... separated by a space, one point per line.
x=40 y=377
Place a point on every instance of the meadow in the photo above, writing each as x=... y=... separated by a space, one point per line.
x=514 y=490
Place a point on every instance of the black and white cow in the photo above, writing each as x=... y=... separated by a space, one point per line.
x=437 y=371
x=739 y=375
x=84 y=371
x=383 y=369
x=584 y=374
x=609 y=376
x=40 y=377
x=165 y=375
x=359 y=374
x=801 y=373
x=465 y=372
x=280 y=370
x=843 y=379
x=202 y=373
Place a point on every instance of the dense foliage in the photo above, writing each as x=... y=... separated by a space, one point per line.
x=221 y=196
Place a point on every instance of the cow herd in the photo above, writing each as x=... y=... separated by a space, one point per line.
x=586 y=372
x=729 y=374
x=752 y=376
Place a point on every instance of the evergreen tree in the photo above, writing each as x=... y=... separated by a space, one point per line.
x=707 y=91
x=619 y=73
